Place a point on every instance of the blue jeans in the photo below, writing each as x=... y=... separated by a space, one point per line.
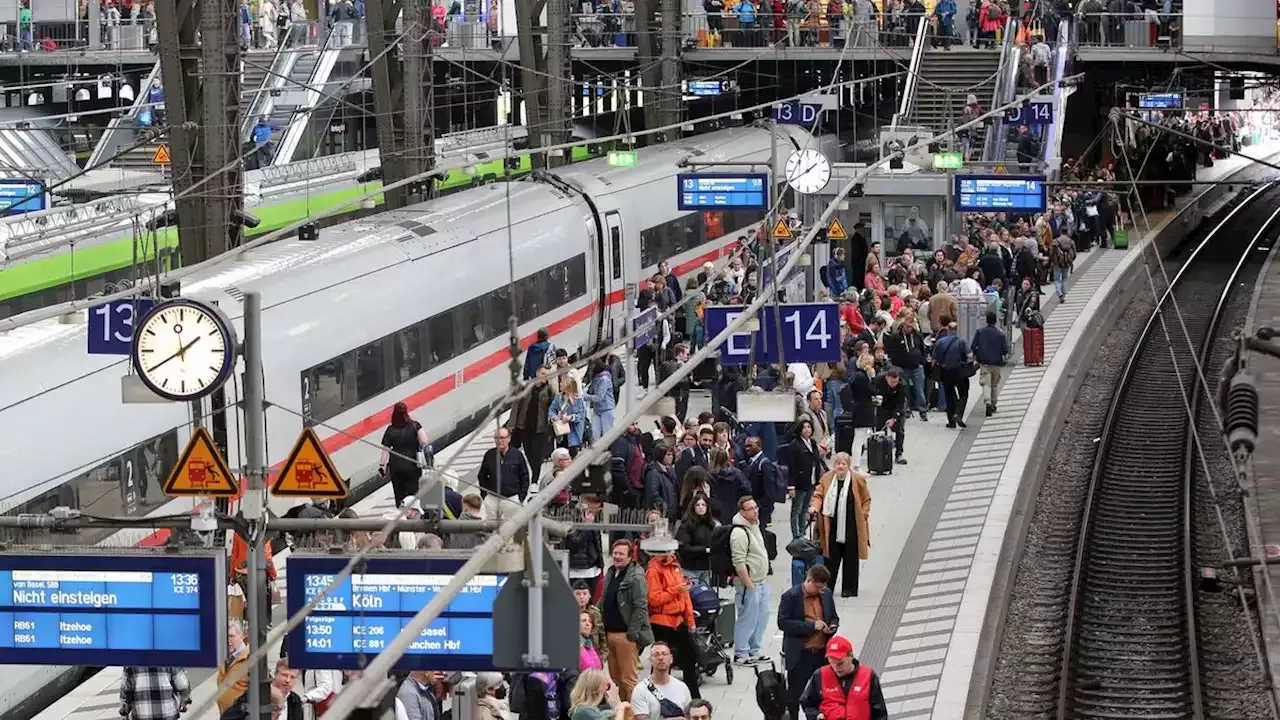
x=800 y=511
x=753 y=616
x=601 y=423
x=919 y=401
x=1060 y=280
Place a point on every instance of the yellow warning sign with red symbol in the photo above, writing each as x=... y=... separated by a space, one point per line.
x=836 y=231
x=162 y=156
x=201 y=472
x=781 y=231
x=309 y=472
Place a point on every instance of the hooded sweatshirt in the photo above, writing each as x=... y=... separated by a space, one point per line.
x=747 y=548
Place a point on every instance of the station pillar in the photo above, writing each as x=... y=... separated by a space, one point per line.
x=660 y=37
x=403 y=87
x=546 y=76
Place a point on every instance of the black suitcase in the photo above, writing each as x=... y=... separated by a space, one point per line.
x=880 y=453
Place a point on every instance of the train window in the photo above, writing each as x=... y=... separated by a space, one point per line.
x=408 y=352
x=444 y=345
x=556 y=286
x=529 y=297
x=650 y=252
x=371 y=378
x=473 y=324
x=578 y=277
x=328 y=396
x=499 y=311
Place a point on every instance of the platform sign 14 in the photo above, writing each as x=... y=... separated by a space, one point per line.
x=111 y=325
x=1033 y=113
x=100 y=610
x=810 y=334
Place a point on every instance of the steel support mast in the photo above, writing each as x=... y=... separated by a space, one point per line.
x=403 y=88
x=546 y=76
x=659 y=36
x=202 y=103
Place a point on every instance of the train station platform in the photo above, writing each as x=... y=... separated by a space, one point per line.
x=938 y=525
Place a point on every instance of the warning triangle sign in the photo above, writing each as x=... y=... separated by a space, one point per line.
x=201 y=472
x=309 y=472
x=781 y=231
x=162 y=156
x=836 y=231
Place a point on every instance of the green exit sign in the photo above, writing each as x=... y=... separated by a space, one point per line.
x=948 y=161
x=622 y=158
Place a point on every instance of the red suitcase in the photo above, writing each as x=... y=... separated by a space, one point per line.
x=1033 y=346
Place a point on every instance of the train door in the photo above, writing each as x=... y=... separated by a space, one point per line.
x=617 y=293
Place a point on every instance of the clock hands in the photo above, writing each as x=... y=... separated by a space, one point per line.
x=181 y=351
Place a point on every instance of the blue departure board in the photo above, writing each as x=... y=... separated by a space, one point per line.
x=1000 y=193
x=22 y=196
x=722 y=191
x=367 y=610
x=1160 y=100
x=95 y=610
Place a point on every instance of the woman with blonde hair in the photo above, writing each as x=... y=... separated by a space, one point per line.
x=568 y=415
x=593 y=692
x=842 y=506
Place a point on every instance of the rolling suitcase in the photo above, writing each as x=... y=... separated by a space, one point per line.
x=880 y=453
x=1120 y=239
x=1033 y=346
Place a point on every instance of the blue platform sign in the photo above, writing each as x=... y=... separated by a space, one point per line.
x=644 y=328
x=1036 y=112
x=111 y=325
x=98 y=610
x=796 y=113
x=723 y=191
x=810 y=334
x=22 y=196
x=1000 y=193
x=366 y=612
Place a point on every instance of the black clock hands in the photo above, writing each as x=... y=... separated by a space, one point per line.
x=181 y=351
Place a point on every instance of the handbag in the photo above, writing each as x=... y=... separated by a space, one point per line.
x=969 y=368
x=803 y=547
x=561 y=427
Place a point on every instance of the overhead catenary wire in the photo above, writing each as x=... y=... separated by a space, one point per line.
x=374 y=678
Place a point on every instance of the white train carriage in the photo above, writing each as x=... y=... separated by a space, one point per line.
x=406 y=306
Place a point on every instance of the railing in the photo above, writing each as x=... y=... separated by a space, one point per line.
x=993 y=148
x=1148 y=30
x=110 y=142
x=911 y=84
x=1053 y=134
x=299 y=38
x=316 y=91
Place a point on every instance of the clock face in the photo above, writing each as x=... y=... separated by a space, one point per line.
x=183 y=350
x=808 y=171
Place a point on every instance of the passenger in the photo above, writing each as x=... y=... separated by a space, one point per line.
x=1062 y=257
x=672 y=620
x=751 y=584
x=842 y=507
x=807 y=619
x=990 y=348
x=282 y=682
x=905 y=348
x=537 y=354
x=624 y=607
x=472 y=509
x=402 y=448
x=591 y=693
x=503 y=476
x=568 y=416
x=806 y=465
x=491 y=696
x=694 y=535
x=764 y=478
x=699 y=455
x=679 y=392
x=417 y=696
x=235 y=696
x=601 y=396
x=661 y=491
x=890 y=399
x=582 y=593
x=673 y=283
x=154 y=693
x=844 y=688
x=951 y=354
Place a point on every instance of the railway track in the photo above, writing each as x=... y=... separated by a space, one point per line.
x=1130 y=644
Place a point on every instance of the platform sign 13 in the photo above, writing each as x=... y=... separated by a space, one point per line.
x=111 y=325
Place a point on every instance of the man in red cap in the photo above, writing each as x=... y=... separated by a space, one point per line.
x=843 y=689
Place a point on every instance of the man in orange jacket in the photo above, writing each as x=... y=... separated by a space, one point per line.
x=671 y=607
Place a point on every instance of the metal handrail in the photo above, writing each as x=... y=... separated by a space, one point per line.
x=913 y=71
x=291 y=135
x=286 y=56
x=1053 y=134
x=993 y=148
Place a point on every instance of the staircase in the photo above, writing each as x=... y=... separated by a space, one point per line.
x=962 y=71
x=291 y=97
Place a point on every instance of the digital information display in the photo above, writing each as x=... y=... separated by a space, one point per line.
x=988 y=193
x=1156 y=101
x=112 y=610
x=22 y=196
x=707 y=88
x=720 y=191
x=362 y=616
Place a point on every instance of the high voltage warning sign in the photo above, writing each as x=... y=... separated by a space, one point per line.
x=201 y=472
x=836 y=231
x=781 y=231
x=309 y=472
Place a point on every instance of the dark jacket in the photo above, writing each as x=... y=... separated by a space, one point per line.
x=1025 y=264
x=661 y=488
x=534 y=358
x=856 y=398
x=796 y=631
x=542 y=395
x=812 y=696
x=763 y=476
x=992 y=266
x=893 y=403
x=727 y=486
x=803 y=458
x=950 y=351
x=906 y=350
x=990 y=346
x=584 y=549
x=529 y=695
x=694 y=539
x=689 y=457
x=512 y=477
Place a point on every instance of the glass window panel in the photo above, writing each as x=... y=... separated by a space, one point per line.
x=371 y=378
x=328 y=394
x=442 y=341
x=578 y=277
x=408 y=353
x=499 y=311
x=529 y=296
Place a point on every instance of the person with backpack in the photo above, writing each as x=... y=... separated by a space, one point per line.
x=749 y=559
x=727 y=484
x=952 y=355
x=1062 y=255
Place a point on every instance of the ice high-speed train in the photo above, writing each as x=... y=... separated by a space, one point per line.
x=406 y=306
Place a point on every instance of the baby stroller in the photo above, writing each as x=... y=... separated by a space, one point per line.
x=712 y=652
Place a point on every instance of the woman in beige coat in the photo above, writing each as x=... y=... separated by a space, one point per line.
x=842 y=505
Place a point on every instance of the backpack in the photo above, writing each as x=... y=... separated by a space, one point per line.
x=825 y=276
x=771 y=692
x=721 y=554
